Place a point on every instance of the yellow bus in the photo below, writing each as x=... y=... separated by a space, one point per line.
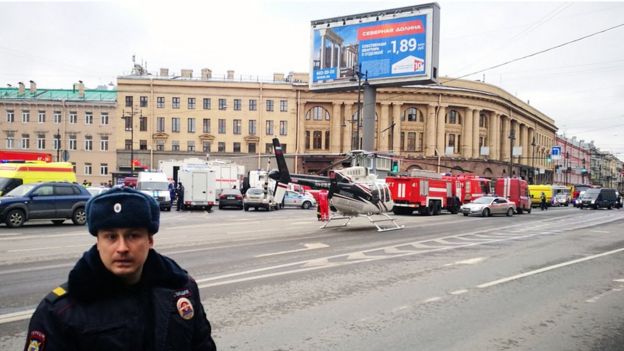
x=535 y=192
x=13 y=175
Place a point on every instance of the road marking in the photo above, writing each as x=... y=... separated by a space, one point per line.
x=600 y=231
x=16 y=316
x=432 y=299
x=459 y=292
x=44 y=248
x=36 y=268
x=472 y=260
x=312 y=246
x=545 y=269
x=619 y=280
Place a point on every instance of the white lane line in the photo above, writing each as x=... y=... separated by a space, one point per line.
x=312 y=246
x=45 y=248
x=619 y=280
x=549 y=268
x=600 y=231
x=16 y=316
x=459 y=292
x=432 y=299
x=37 y=268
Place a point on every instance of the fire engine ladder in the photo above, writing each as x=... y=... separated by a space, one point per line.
x=392 y=225
x=337 y=218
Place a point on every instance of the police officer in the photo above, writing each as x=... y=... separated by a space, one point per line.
x=180 y=195
x=122 y=294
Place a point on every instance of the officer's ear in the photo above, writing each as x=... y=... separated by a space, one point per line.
x=151 y=240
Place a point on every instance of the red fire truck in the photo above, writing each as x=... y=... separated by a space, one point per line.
x=516 y=190
x=16 y=156
x=423 y=191
x=469 y=187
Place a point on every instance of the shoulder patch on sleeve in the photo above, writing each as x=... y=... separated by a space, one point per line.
x=57 y=293
x=36 y=341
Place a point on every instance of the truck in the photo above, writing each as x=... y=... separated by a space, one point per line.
x=516 y=190
x=156 y=185
x=22 y=156
x=423 y=191
x=468 y=187
x=228 y=174
x=13 y=175
x=535 y=192
x=199 y=187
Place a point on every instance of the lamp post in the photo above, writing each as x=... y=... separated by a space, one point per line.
x=583 y=171
x=512 y=137
x=358 y=72
x=533 y=162
x=57 y=136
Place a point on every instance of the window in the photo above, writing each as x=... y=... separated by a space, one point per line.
x=482 y=120
x=103 y=168
x=251 y=148
x=127 y=123
x=454 y=140
x=73 y=117
x=327 y=140
x=191 y=103
x=88 y=169
x=269 y=127
x=307 y=139
x=74 y=166
x=452 y=117
x=25 y=116
x=190 y=146
x=206 y=125
x=175 y=124
x=207 y=103
x=143 y=101
x=284 y=148
x=175 y=102
x=46 y=190
x=283 y=105
x=482 y=142
x=252 y=105
x=268 y=148
x=190 y=125
x=42 y=116
x=41 y=141
x=10 y=142
x=142 y=144
x=317 y=139
x=221 y=126
x=402 y=141
x=104 y=143
x=129 y=101
x=317 y=113
x=236 y=147
x=411 y=141
x=237 y=126
x=413 y=114
x=221 y=147
x=57 y=142
x=10 y=116
x=222 y=104
x=160 y=102
x=283 y=127
x=421 y=141
x=143 y=124
x=175 y=145
x=103 y=118
x=160 y=145
x=206 y=146
x=127 y=144
x=160 y=124
x=237 y=104
x=252 y=127
x=269 y=105
x=73 y=142
x=88 y=143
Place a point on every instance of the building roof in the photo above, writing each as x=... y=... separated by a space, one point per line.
x=58 y=95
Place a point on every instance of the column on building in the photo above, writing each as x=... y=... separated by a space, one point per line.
x=396 y=117
x=525 y=144
x=476 y=118
x=517 y=138
x=530 y=147
x=466 y=140
x=430 y=131
x=300 y=126
x=347 y=127
x=384 y=118
x=494 y=132
x=334 y=130
x=504 y=139
x=440 y=130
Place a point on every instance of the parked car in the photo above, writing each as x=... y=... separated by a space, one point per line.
x=295 y=199
x=54 y=201
x=96 y=190
x=599 y=198
x=231 y=198
x=489 y=205
x=256 y=198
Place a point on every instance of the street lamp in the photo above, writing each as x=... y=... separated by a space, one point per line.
x=512 y=137
x=583 y=171
x=358 y=72
x=57 y=136
x=533 y=162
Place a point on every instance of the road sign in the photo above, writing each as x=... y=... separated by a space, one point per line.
x=555 y=152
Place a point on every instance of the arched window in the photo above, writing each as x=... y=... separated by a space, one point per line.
x=483 y=120
x=317 y=113
x=413 y=114
x=453 y=117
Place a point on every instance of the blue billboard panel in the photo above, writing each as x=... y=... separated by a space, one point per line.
x=394 y=47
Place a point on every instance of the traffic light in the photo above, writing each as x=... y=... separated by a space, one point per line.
x=395 y=166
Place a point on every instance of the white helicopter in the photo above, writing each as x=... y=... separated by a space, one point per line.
x=352 y=191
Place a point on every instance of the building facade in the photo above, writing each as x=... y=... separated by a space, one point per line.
x=574 y=164
x=73 y=125
x=456 y=126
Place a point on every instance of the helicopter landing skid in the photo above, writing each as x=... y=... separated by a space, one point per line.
x=337 y=218
x=393 y=225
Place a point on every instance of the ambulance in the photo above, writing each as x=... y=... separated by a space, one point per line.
x=14 y=174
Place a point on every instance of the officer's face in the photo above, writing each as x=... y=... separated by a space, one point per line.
x=124 y=251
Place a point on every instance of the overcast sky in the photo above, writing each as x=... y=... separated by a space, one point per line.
x=581 y=85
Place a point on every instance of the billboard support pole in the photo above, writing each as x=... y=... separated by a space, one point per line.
x=368 y=142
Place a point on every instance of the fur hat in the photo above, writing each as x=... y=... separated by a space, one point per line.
x=122 y=208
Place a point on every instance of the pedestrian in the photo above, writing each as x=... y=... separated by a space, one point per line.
x=180 y=195
x=172 y=192
x=122 y=294
x=543 y=201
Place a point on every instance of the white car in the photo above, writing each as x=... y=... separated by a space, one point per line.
x=489 y=205
x=96 y=190
x=295 y=199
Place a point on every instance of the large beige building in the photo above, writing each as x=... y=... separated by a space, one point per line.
x=75 y=125
x=457 y=125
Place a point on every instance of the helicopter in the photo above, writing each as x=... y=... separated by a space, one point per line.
x=352 y=191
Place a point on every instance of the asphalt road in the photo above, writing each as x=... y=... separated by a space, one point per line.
x=551 y=280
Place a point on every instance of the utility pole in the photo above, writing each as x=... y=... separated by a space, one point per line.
x=512 y=137
x=533 y=162
x=58 y=144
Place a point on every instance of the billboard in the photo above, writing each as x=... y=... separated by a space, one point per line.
x=388 y=48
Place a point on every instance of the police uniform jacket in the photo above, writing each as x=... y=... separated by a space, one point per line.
x=95 y=311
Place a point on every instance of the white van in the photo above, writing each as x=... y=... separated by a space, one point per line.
x=199 y=187
x=156 y=185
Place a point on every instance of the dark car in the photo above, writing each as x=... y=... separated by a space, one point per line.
x=599 y=198
x=54 y=201
x=231 y=198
